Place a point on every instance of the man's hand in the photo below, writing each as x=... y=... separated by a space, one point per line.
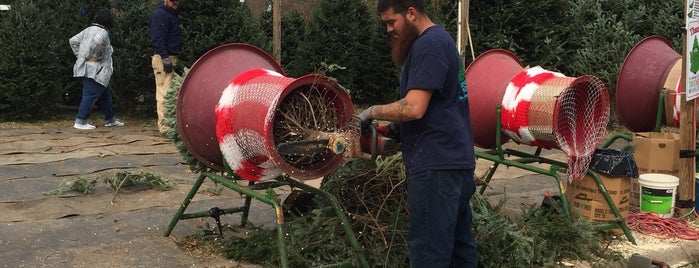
x=366 y=119
x=392 y=130
x=167 y=65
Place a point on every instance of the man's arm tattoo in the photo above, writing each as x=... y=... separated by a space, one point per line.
x=401 y=107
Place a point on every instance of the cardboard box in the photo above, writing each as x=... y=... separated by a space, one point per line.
x=657 y=152
x=586 y=196
x=654 y=153
x=635 y=201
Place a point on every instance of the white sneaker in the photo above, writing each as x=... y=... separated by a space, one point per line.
x=116 y=123
x=85 y=126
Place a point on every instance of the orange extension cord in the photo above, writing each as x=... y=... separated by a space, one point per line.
x=651 y=224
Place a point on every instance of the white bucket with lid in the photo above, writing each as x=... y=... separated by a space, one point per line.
x=658 y=193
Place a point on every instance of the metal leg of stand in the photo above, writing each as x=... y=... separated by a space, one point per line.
x=619 y=220
x=339 y=213
x=489 y=176
x=279 y=213
x=270 y=198
x=552 y=171
x=184 y=204
x=562 y=195
x=246 y=212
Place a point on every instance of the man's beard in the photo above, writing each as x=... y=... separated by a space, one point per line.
x=400 y=47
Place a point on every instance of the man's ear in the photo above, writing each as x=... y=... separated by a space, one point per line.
x=411 y=14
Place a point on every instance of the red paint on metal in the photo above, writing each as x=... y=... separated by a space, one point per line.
x=200 y=92
x=640 y=80
x=486 y=79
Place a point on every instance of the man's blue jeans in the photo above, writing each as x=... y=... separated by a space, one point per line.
x=440 y=235
x=94 y=92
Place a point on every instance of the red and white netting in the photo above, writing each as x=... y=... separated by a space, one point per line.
x=261 y=109
x=242 y=142
x=549 y=110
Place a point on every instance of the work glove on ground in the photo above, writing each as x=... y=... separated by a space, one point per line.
x=167 y=65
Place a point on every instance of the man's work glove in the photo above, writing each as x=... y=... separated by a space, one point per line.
x=366 y=119
x=167 y=65
x=392 y=130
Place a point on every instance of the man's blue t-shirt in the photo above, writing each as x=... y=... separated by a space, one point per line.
x=442 y=138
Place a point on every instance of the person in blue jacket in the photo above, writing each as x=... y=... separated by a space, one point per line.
x=166 y=39
x=434 y=128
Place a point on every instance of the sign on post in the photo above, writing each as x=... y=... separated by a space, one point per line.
x=692 y=50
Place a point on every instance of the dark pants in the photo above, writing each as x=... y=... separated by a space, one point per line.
x=94 y=92
x=440 y=235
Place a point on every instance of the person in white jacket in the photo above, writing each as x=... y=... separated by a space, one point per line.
x=93 y=51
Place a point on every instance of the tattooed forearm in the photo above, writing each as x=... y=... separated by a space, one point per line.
x=377 y=112
x=401 y=107
x=398 y=111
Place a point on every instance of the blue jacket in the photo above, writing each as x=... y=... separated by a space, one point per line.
x=165 y=32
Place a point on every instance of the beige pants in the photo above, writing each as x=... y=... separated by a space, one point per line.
x=163 y=82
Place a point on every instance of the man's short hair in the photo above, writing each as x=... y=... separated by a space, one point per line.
x=400 y=6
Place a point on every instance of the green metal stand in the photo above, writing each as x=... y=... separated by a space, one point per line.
x=268 y=197
x=497 y=156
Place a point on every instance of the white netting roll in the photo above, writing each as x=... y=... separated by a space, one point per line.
x=549 y=110
x=582 y=114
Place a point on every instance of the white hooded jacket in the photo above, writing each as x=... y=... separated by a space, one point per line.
x=93 y=51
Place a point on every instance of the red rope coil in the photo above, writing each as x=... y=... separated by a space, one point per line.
x=651 y=224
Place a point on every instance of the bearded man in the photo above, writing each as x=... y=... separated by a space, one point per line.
x=434 y=125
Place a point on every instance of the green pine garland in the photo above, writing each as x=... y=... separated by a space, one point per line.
x=170 y=104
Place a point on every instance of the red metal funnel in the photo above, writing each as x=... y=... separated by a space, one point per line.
x=641 y=77
x=486 y=78
x=201 y=90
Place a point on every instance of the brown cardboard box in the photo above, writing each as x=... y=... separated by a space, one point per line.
x=591 y=204
x=635 y=201
x=655 y=153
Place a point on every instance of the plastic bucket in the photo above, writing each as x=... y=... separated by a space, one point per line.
x=658 y=193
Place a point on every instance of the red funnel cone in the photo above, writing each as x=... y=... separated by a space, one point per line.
x=486 y=78
x=641 y=77
x=200 y=92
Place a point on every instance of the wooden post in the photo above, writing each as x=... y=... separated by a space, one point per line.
x=463 y=29
x=277 y=30
x=685 y=190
